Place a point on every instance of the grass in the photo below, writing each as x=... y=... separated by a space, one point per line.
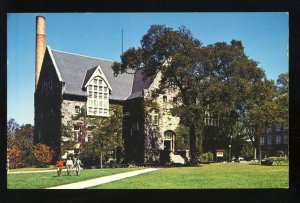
x=208 y=176
x=50 y=179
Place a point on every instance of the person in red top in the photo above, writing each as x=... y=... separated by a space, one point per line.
x=59 y=165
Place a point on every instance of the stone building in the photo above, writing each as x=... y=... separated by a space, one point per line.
x=66 y=83
x=275 y=142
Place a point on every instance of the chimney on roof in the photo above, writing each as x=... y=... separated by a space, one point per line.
x=40 y=46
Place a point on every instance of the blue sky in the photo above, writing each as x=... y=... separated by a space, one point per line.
x=264 y=36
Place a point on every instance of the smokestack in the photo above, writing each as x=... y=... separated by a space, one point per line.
x=40 y=46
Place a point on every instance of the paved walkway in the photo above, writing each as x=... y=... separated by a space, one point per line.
x=103 y=180
x=38 y=171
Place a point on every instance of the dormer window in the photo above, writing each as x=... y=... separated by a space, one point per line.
x=98 y=100
x=98 y=89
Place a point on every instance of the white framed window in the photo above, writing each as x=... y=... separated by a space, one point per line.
x=98 y=100
x=76 y=130
x=153 y=117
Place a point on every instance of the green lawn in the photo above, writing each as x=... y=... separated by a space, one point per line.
x=207 y=176
x=210 y=176
x=50 y=179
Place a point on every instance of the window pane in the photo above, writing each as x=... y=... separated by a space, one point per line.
x=164 y=98
x=105 y=89
x=90 y=94
x=90 y=87
x=95 y=88
x=95 y=81
x=100 y=82
x=100 y=95
x=105 y=95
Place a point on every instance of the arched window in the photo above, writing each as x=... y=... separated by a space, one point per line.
x=169 y=140
x=98 y=99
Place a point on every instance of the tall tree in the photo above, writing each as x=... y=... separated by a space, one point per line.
x=175 y=54
x=107 y=134
x=211 y=78
x=260 y=111
x=283 y=98
x=21 y=136
x=237 y=87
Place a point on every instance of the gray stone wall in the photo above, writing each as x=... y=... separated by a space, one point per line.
x=166 y=122
x=68 y=109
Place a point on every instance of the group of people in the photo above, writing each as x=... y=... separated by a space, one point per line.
x=69 y=165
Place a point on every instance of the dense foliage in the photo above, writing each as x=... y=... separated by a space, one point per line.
x=219 y=78
x=22 y=152
x=43 y=154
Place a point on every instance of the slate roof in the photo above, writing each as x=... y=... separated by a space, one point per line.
x=88 y=74
x=75 y=69
x=139 y=84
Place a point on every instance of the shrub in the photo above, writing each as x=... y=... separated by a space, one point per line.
x=14 y=156
x=206 y=157
x=43 y=154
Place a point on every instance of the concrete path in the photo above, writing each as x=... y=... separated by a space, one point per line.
x=39 y=171
x=103 y=180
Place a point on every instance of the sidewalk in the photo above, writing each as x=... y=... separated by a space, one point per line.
x=103 y=180
x=39 y=171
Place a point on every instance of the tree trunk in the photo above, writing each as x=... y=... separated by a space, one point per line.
x=193 y=147
x=255 y=153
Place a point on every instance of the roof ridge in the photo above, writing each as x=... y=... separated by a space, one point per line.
x=82 y=55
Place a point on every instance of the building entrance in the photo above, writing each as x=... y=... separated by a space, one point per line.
x=169 y=140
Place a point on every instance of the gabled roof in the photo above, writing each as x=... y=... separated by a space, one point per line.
x=73 y=69
x=91 y=73
x=139 y=84
x=88 y=75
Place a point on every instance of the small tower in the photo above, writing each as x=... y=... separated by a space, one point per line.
x=40 y=46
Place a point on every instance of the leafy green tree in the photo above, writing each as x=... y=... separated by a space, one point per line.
x=283 y=99
x=212 y=78
x=260 y=111
x=182 y=138
x=174 y=53
x=107 y=134
x=67 y=141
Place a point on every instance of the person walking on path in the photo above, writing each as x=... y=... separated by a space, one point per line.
x=59 y=165
x=69 y=165
x=77 y=165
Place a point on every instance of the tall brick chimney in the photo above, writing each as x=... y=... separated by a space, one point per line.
x=40 y=46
